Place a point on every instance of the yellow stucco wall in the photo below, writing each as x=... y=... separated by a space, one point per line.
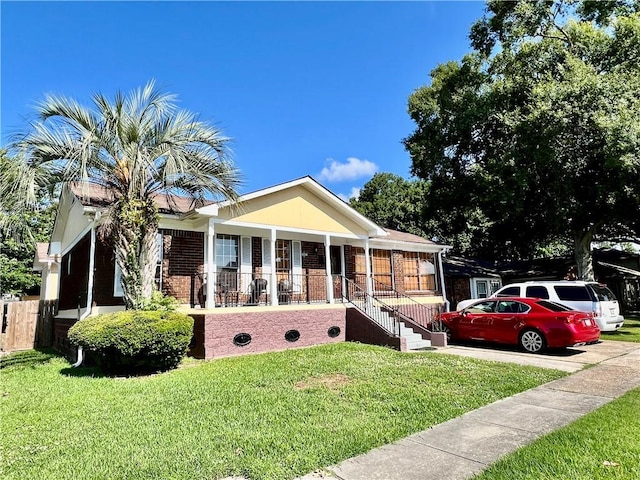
x=295 y=207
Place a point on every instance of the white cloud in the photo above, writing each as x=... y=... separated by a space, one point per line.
x=355 y=193
x=341 y=172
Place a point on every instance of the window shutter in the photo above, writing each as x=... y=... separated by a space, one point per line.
x=296 y=266
x=245 y=263
x=266 y=257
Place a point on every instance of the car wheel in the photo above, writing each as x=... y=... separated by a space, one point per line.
x=532 y=341
x=447 y=331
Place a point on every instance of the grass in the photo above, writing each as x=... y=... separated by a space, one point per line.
x=629 y=332
x=270 y=416
x=605 y=444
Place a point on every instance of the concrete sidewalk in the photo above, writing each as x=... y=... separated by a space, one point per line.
x=464 y=446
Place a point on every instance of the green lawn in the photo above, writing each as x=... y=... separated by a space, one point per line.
x=629 y=332
x=270 y=416
x=602 y=445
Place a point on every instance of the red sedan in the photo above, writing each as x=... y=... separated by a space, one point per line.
x=532 y=323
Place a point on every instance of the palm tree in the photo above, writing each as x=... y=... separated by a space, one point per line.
x=137 y=147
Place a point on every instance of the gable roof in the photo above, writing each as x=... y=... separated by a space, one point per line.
x=466 y=267
x=308 y=183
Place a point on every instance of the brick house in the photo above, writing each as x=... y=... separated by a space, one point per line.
x=287 y=266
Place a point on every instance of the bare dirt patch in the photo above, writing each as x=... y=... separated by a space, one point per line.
x=333 y=382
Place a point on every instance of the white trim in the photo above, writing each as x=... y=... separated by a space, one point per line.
x=92 y=262
x=327 y=266
x=272 y=279
x=77 y=239
x=314 y=187
x=442 y=284
x=211 y=265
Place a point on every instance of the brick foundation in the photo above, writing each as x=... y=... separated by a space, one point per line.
x=267 y=330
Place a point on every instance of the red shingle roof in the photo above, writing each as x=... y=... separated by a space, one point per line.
x=93 y=195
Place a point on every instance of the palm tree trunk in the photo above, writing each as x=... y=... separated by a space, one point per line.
x=149 y=254
x=137 y=252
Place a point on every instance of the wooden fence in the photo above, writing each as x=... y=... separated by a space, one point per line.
x=27 y=325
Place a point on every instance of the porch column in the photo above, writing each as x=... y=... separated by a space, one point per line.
x=442 y=284
x=273 y=289
x=327 y=266
x=367 y=264
x=343 y=269
x=210 y=270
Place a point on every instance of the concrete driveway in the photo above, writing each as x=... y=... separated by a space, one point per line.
x=568 y=360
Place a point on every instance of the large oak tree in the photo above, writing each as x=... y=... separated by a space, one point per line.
x=534 y=137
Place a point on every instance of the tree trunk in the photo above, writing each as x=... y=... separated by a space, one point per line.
x=149 y=255
x=136 y=249
x=583 y=254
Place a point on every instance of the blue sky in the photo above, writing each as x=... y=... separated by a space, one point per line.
x=303 y=88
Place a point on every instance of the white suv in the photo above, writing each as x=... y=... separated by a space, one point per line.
x=583 y=296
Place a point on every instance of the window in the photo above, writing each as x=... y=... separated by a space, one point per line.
x=483 y=307
x=227 y=252
x=481 y=288
x=117 y=282
x=420 y=271
x=381 y=268
x=227 y=262
x=158 y=277
x=512 y=307
x=571 y=293
x=537 y=291
x=283 y=256
x=510 y=292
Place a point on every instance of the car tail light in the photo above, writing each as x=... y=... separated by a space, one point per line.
x=597 y=311
x=568 y=319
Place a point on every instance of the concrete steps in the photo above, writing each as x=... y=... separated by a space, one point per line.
x=414 y=340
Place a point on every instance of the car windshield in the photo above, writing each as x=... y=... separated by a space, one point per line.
x=602 y=292
x=553 y=306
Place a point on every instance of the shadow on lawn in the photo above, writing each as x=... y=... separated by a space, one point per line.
x=28 y=358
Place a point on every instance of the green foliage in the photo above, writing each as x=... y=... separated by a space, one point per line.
x=395 y=203
x=535 y=137
x=137 y=146
x=160 y=302
x=133 y=341
x=25 y=218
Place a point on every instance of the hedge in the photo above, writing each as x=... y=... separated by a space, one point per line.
x=135 y=340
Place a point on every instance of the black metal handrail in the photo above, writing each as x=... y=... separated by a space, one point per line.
x=381 y=313
x=407 y=308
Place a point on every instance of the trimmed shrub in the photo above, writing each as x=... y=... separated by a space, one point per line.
x=135 y=340
x=158 y=301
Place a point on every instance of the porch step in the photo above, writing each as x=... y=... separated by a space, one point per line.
x=414 y=340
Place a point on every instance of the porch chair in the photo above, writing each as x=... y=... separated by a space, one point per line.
x=257 y=287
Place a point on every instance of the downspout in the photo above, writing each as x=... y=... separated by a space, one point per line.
x=442 y=283
x=87 y=312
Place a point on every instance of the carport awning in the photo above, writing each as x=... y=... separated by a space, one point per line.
x=622 y=271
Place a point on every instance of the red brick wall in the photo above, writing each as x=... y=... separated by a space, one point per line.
x=267 y=329
x=183 y=257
